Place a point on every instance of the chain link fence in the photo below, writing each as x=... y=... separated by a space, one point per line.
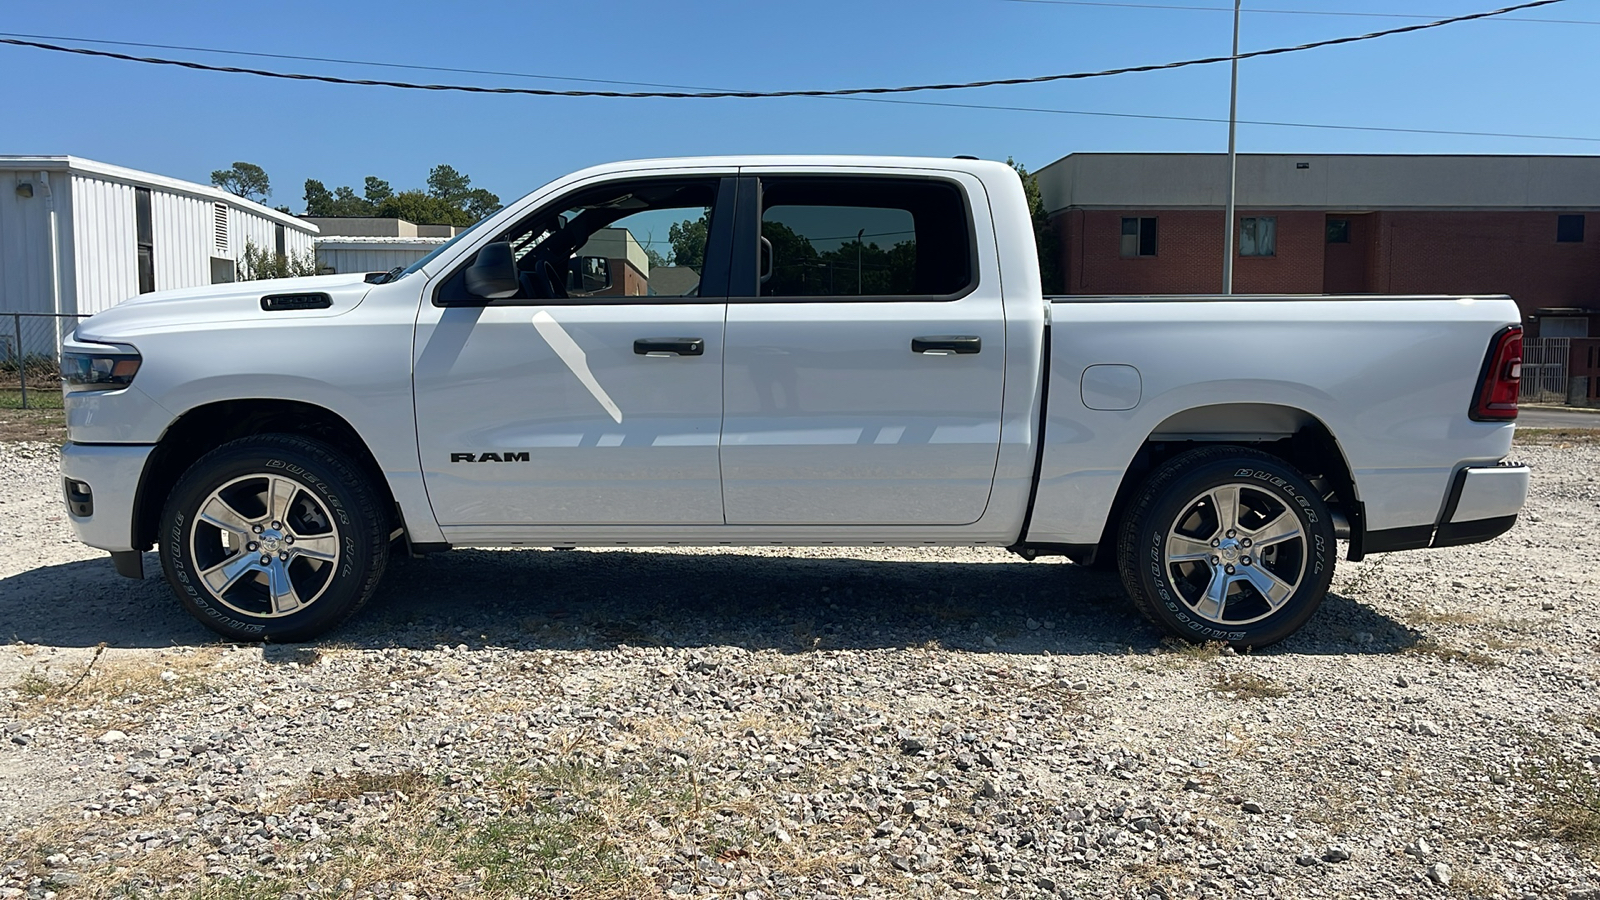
x=30 y=353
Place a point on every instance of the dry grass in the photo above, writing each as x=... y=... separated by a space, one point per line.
x=1432 y=647
x=107 y=684
x=47 y=425
x=1559 y=437
x=1247 y=686
x=1566 y=797
x=1183 y=650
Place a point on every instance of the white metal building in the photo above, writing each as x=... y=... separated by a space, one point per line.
x=341 y=254
x=78 y=236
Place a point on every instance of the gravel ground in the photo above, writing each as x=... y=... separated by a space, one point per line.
x=810 y=723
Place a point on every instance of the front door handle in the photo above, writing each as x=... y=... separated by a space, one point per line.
x=676 y=346
x=946 y=344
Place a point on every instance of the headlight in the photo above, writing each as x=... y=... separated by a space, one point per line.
x=98 y=371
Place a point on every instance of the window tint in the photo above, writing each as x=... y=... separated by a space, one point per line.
x=863 y=238
x=651 y=235
x=1569 y=229
x=1138 y=236
x=1338 y=231
x=1258 y=236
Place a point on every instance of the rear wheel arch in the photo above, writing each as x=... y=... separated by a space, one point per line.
x=202 y=429
x=1289 y=433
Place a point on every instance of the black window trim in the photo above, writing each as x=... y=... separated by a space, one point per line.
x=1139 y=235
x=721 y=234
x=743 y=276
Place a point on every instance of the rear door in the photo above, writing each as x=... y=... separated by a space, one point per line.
x=584 y=403
x=865 y=351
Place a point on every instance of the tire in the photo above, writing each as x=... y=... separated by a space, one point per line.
x=1270 y=562
x=295 y=503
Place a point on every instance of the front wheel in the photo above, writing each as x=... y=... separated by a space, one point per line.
x=1227 y=544
x=273 y=537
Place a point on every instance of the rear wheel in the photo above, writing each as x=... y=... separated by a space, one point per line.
x=273 y=537
x=1227 y=544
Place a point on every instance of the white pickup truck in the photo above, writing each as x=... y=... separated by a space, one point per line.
x=687 y=352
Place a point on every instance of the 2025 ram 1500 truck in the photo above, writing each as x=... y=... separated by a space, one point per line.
x=690 y=352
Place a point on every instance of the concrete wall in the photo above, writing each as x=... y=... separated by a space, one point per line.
x=1328 y=182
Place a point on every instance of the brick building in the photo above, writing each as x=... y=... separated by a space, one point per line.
x=1151 y=223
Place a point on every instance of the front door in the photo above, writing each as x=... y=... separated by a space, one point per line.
x=865 y=355
x=593 y=394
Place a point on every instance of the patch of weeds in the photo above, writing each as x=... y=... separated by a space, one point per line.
x=1557 y=437
x=1432 y=647
x=1566 y=797
x=249 y=887
x=1247 y=686
x=36 y=686
x=1210 y=651
x=1474 y=884
x=344 y=787
x=547 y=851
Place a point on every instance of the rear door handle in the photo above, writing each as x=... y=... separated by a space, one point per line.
x=675 y=346
x=946 y=344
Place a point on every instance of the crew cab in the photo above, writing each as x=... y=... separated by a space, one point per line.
x=847 y=351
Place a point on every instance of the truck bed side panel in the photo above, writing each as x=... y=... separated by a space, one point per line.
x=1390 y=378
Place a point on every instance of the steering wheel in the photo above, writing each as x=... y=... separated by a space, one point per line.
x=552 y=282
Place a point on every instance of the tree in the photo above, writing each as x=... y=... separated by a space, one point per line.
x=377 y=190
x=1044 y=232
x=447 y=184
x=449 y=199
x=256 y=264
x=246 y=180
x=688 y=240
x=423 y=208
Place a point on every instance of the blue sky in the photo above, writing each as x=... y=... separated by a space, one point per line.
x=1479 y=76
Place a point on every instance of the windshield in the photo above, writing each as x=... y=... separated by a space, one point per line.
x=441 y=248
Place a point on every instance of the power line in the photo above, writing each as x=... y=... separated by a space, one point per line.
x=899 y=101
x=675 y=95
x=1286 y=12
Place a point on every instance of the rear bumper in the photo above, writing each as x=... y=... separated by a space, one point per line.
x=1483 y=504
x=102 y=513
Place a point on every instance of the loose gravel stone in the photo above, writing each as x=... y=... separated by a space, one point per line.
x=800 y=723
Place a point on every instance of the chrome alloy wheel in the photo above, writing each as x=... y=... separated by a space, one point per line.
x=264 y=545
x=1236 y=554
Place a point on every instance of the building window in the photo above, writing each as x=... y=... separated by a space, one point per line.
x=278 y=239
x=1338 y=231
x=1138 y=236
x=144 y=239
x=1258 y=236
x=1569 y=229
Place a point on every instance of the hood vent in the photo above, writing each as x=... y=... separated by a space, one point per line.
x=286 y=302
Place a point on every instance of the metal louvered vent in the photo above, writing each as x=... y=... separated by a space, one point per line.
x=219 y=212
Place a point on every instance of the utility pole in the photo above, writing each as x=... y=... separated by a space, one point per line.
x=1233 y=160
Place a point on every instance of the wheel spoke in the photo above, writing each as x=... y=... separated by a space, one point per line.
x=1285 y=526
x=1216 y=595
x=323 y=547
x=227 y=573
x=284 y=597
x=1187 y=549
x=1275 y=589
x=1226 y=501
x=220 y=513
x=280 y=493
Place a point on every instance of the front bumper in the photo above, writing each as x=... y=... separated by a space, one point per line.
x=102 y=484
x=1483 y=504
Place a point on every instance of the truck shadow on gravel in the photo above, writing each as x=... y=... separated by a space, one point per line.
x=544 y=599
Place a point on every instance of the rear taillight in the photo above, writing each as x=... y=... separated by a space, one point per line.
x=1501 y=379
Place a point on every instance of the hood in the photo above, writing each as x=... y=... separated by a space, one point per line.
x=230 y=302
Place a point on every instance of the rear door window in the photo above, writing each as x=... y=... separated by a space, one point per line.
x=864 y=237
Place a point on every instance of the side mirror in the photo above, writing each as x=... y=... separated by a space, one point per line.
x=589 y=274
x=493 y=275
